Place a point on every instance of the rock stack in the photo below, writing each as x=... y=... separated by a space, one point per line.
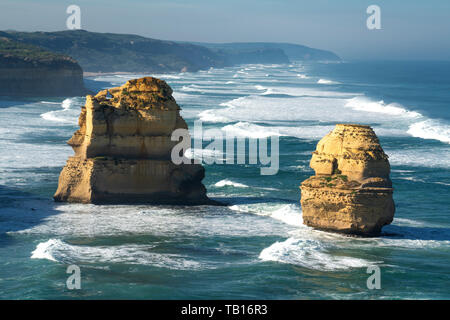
x=351 y=191
x=123 y=150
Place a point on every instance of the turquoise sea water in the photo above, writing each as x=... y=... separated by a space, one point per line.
x=257 y=246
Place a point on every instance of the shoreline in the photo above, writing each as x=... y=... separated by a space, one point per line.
x=87 y=74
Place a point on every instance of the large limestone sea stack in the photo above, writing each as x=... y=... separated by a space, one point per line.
x=123 y=150
x=351 y=191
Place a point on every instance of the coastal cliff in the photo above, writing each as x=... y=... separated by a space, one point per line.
x=123 y=147
x=26 y=70
x=110 y=52
x=351 y=191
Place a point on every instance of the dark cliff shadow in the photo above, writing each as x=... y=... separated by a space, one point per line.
x=21 y=210
x=416 y=233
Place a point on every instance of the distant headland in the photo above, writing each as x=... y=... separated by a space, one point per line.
x=29 y=70
x=110 y=52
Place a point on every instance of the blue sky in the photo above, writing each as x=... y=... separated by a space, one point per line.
x=413 y=29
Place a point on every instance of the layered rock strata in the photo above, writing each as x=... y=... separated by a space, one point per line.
x=123 y=148
x=27 y=70
x=351 y=191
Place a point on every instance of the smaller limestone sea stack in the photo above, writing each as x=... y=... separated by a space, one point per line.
x=123 y=150
x=351 y=191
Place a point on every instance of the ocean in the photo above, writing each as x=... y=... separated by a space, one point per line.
x=256 y=247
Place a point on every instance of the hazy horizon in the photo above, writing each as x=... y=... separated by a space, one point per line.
x=409 y=31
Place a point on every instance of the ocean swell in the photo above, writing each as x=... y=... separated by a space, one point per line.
x=59 y=251
x=311 y=254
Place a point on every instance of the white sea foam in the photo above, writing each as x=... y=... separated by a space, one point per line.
x=412 y=243
x=442 y=183
x=168 y=76
x=287 y=213
x=300 y=92
x=211 y=116
x=193 y=88
x=181 y=96
x=413 y=237
x=66 y=103
x=44 y=250
x=393 y=109
x=309 y=104
x=430 y=129
x=81 y=220
x=52 y=117
x=409 y=222
x=18 y=141
x=227 y=182
x=414 y=179
x=311 y=254
x=208 y=154
x=31 y=155
x=68 y=114
x=302 y=108
x=60 y=251
x=326 y=81
x=246 y=129
x=421 y=156
x=49 y=102
x=273 y=110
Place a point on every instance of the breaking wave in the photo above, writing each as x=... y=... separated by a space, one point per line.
x=246 y=129
x=66 y=115
x=430 y=129
x=289 y=214
x=395 y=109
x=311 y=254
x=211 y=116
x=326 y=81
x=227 y=182
x=59 y=251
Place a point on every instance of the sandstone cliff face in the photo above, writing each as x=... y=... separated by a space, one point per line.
x=351 y=191
x=123 y=147
x=27 y=70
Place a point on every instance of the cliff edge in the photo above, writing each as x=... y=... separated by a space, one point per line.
x=27 y=70
x=123 y=147
x=351 y=191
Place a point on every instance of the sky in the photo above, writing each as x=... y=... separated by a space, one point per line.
x=410 y=30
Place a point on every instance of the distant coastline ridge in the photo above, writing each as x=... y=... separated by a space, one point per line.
x=29 y=70
x=108 y=52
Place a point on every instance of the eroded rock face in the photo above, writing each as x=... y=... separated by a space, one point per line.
x=27 y=70
x=351 y=191
x=123 y=147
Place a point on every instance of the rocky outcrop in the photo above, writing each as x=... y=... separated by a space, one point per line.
x=351 y=191
x=123 y=147
x=26 y=70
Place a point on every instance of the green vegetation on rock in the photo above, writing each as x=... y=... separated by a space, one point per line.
x=109 y=52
